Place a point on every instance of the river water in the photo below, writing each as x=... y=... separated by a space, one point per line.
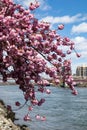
x=63 y=110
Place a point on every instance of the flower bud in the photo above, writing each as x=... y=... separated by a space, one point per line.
x=61 y=27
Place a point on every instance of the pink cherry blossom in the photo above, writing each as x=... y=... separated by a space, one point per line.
x=30 y=108
x=61 y=27
x=47 y=91
x=66 y=39
x=57 y=81
x=37 y=4
x=35 y=102
x=38 y=117
x=9 y=108
x=42 y=100
x=68 y=51
x=43 y=118
x=27 y=118
x=32 y=6
x=74 y=92
x=41 y=89
x=78 y=55
x=17 y=103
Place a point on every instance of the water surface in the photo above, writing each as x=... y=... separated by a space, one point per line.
x=63 y=110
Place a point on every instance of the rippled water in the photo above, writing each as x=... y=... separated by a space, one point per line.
x=62 y=110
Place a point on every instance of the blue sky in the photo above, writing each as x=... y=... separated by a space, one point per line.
x=73 y=14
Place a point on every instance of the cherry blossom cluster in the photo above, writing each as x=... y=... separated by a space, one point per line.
x=27 y=47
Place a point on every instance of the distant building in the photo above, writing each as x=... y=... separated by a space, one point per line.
x=81 y=71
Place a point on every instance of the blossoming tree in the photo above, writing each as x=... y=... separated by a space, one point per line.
x=27 y=47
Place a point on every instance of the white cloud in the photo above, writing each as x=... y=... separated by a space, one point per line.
x=26 y=3
x=80 y=43
x=81 y=28
x=81 y=48
x=43 y=4
x=64 y=19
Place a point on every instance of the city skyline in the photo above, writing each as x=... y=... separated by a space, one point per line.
x=73 y=14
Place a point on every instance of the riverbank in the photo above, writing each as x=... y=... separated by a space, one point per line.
x=12 y=82
x=7 y=119
x=7 y=83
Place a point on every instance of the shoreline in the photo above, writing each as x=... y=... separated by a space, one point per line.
x=7 y=119
x=79 y=85
x=8 y=83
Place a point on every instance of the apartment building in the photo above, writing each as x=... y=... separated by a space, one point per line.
x=81 y=71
